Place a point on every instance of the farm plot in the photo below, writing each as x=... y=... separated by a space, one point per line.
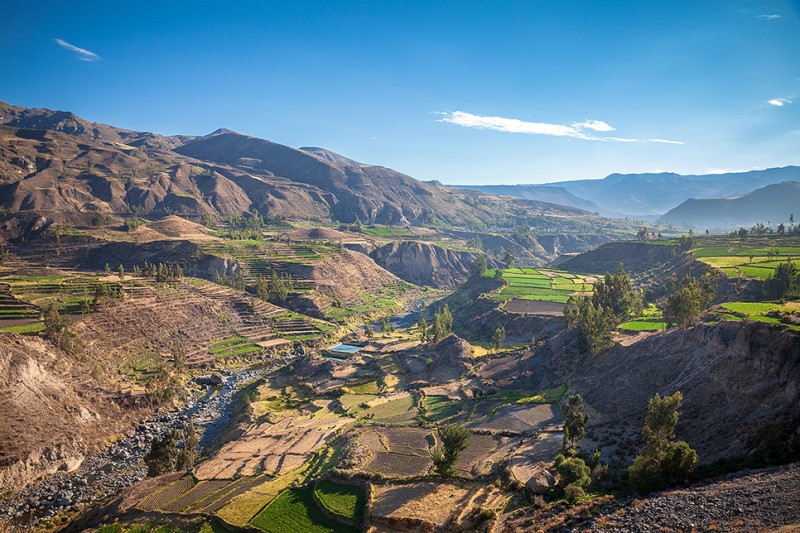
x=528 y=284
x=399 y=408
x=398 y=452
x=434 y=503
x=198 y=492
x=517 y=418
x=294 y=511
x=219 y=499
x=442 y=409
x=476 y=458
x=231 y=346
x=271 y=448
x=769 y=312
x=651 y=320
x=756 y=260
x=347 y=501
x=167 y=494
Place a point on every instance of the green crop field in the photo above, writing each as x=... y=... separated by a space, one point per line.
x=543 y=285
x=294 y=511
x=769 y=312
x=344 y=500
x=754 y=258
x=232 y=346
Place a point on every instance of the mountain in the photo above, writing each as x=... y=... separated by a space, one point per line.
x=773 y=203
x=57 y=162
x=655 y=194
x=542 y=193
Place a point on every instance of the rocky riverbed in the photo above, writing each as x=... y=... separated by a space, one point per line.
x=121 y=465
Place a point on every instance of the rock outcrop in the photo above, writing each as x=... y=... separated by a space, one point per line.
x=425 y=264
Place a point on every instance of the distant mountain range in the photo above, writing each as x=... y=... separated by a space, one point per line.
x=773 y=203
x=542 y=193
x=57 y=162
x=647 y=195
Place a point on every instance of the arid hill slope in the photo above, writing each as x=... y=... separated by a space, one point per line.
x=54 y=161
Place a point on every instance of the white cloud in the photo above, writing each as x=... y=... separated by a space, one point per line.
x=779 y=102
x=769 y=18
x=578 y=130
x=665 y=141
x=595 y=125
x=82 y=53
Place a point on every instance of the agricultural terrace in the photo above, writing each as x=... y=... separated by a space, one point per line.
x=539 y=291
x=755 y=257
x=650 y=320
x=785 y=314
x=262 y=258
x=296 y=510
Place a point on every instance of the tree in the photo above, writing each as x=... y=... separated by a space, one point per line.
x=687 y=302
x=594 y=323
x=662 y=462
x=57 y=330
x=278 y=288
x=107 y=269
x=498 y=274
x=386 y=325
x=368 y=331
x=478 y=266
x=187 y=456
x=508 y=258
x=616 y=294
x=781 y=229
x=162 y=455
x=574 y=421
x=574 y=476
x=453 y=439
x=442 y=324
x=121 y=271
x=422 y=329
x=498 y=338
x=783 y=281
x=262 y=288
x=642 y=234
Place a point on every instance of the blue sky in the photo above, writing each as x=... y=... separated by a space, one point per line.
x=461 y=91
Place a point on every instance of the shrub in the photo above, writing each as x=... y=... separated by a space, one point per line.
x=662 y=463
x=573 y=493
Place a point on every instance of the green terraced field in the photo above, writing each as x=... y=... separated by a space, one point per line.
x=294 y=511
x=735 y=258
x=758 y=311
x=344 y=500
x=541 y=284
x=232 y=346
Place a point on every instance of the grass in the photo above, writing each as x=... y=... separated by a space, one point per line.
x=295 y=511
x=643 y=324
x=543 y=285
x=736 y=258
x=347 y=501
x=25 y=329
x=232 y=346
x=757 y=311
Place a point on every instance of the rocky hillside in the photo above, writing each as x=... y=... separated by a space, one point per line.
x=424 y=263
x=739 y=383
x=53 y=411
x=56 y=162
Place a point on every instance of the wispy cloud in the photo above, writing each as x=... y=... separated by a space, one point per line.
x=769 y=18
x=779 y=102
x=579 y=130
x=81 y=53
